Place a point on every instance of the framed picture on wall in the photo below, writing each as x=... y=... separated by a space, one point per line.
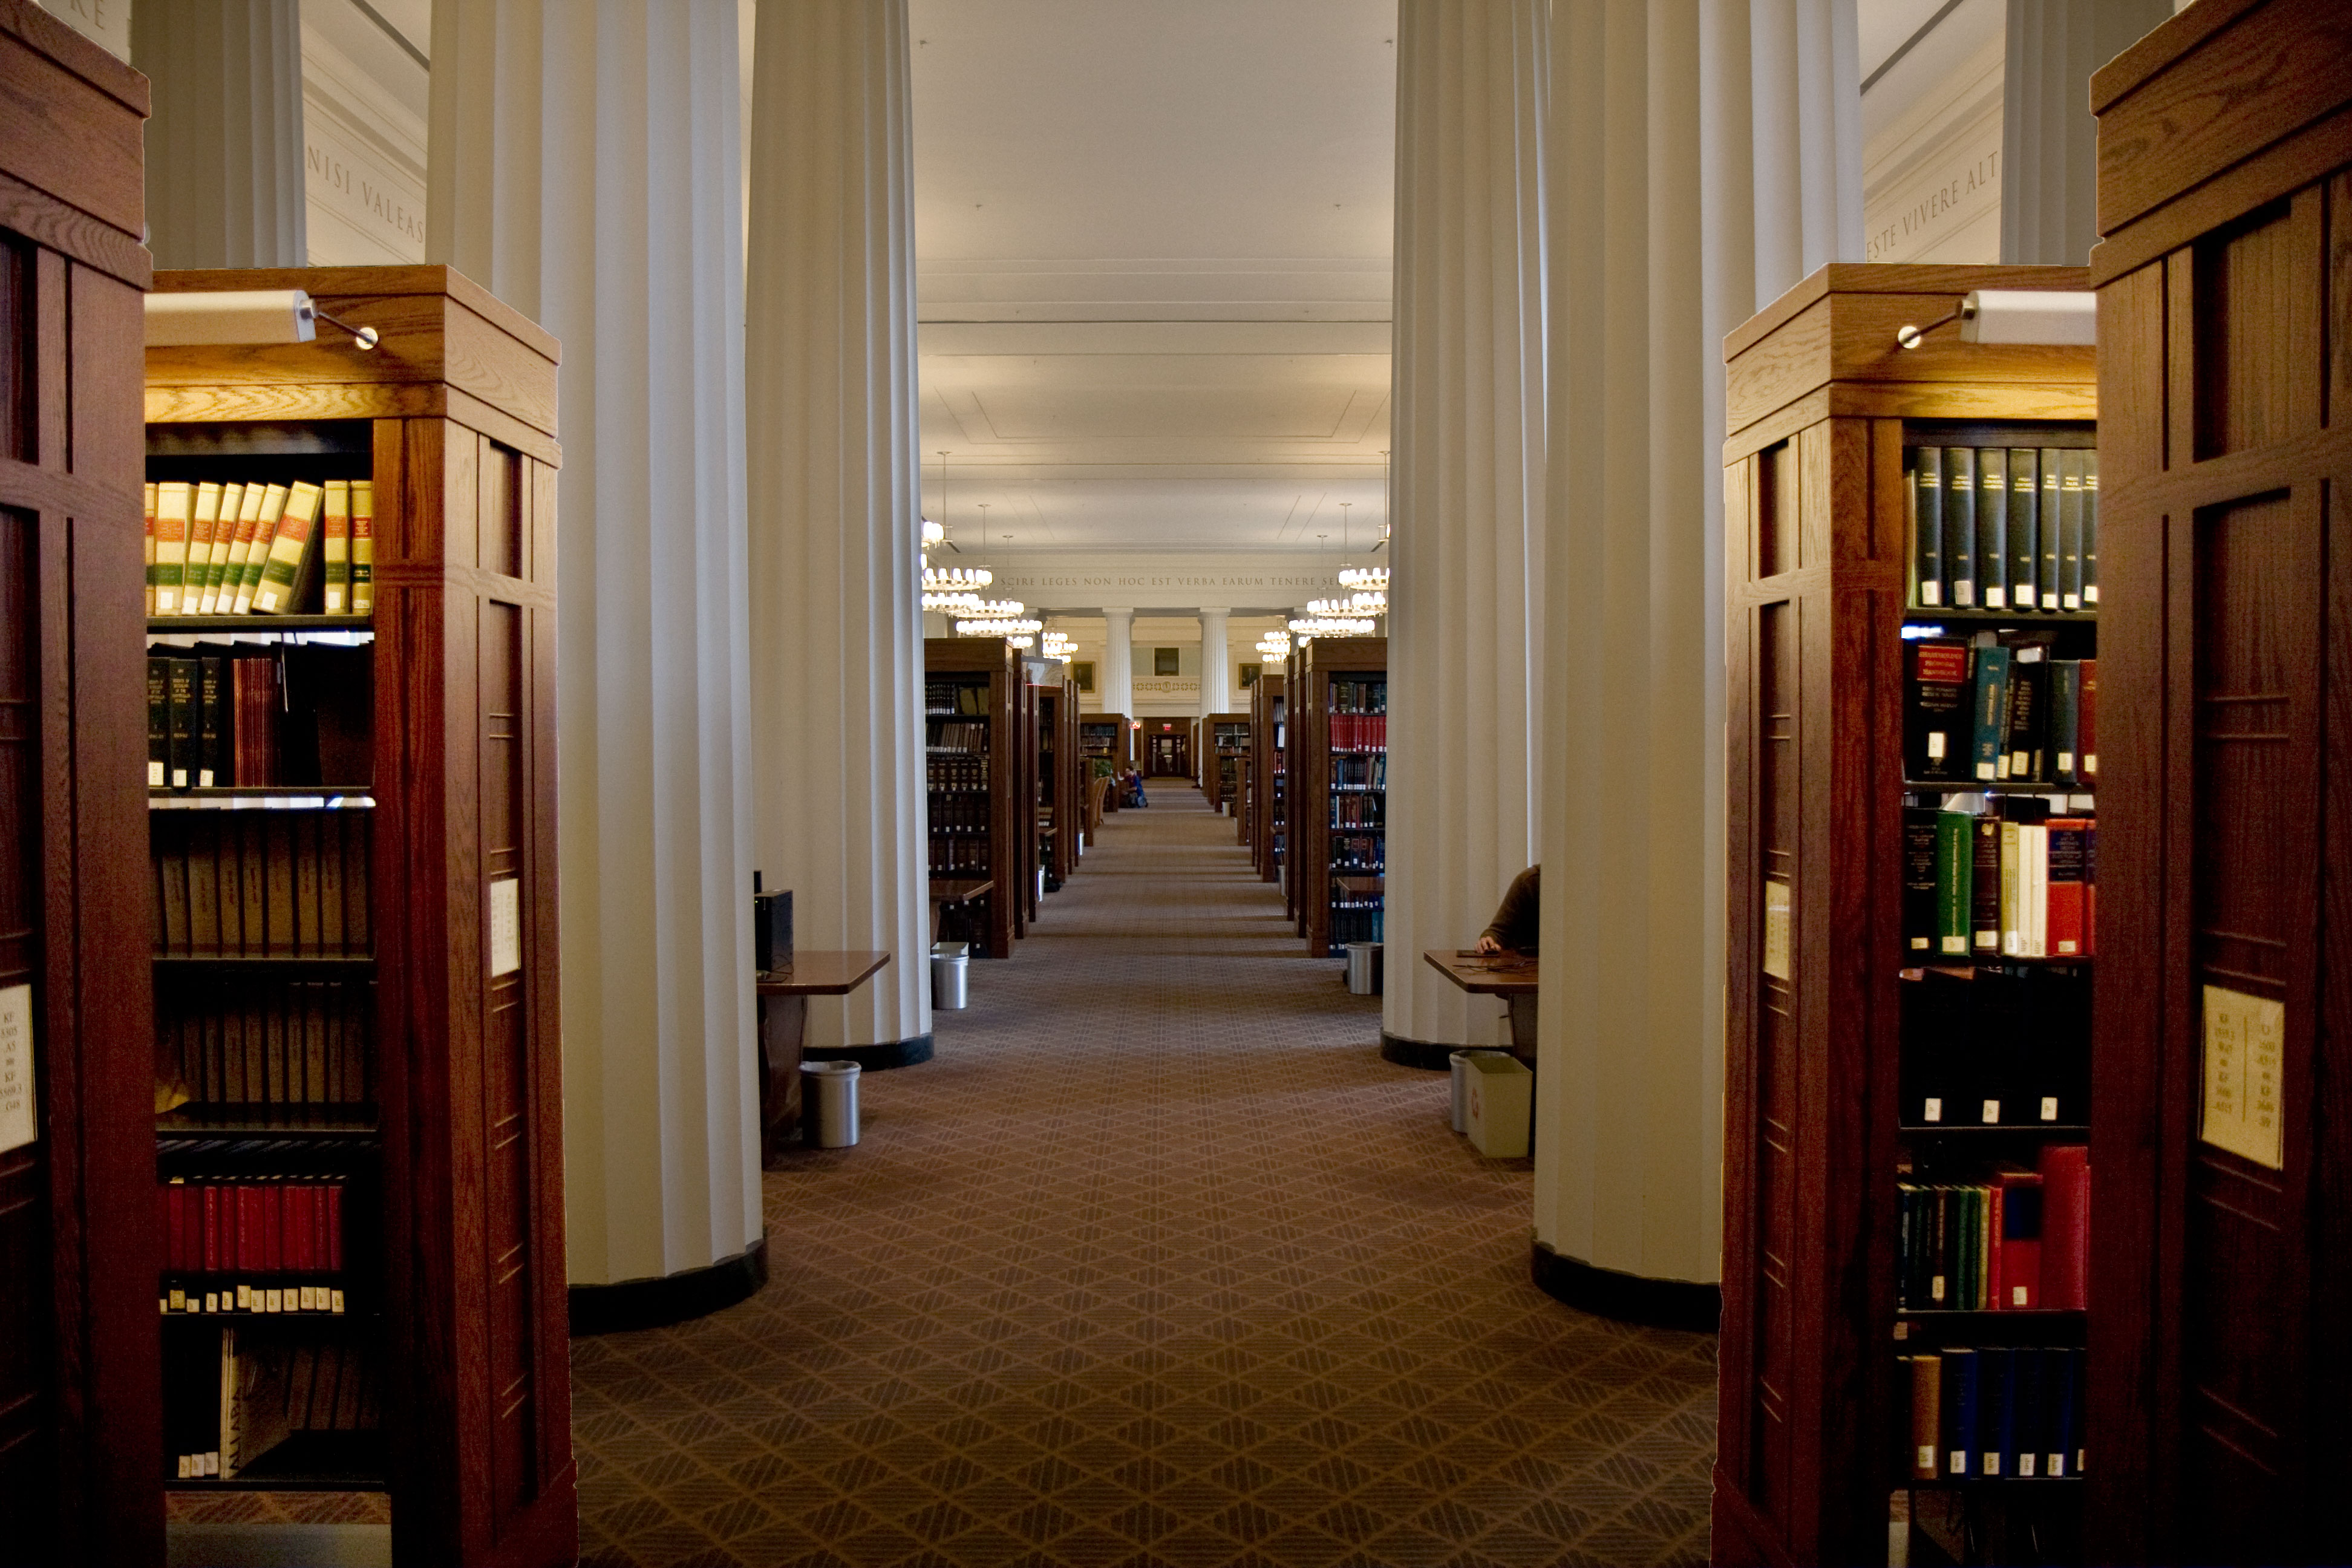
x=1164 y=661
x=1083 y=670
x=1250 y=672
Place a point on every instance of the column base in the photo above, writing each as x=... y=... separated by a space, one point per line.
x=1628 y=1298
x=670 y=1298
x=1428 y=1055
x=875 y=1059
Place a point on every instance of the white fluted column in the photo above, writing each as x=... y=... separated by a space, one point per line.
x=1657 y=219
x=225 y=145
x=585 y=168
x=1118 y=662
x=1804 y=102
x=1216 y=667
x=837 y=636
x=2048 y=138
x=1464 y=603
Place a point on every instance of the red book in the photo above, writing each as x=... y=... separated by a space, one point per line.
x=323 y=1251
x=190 y=1200
x=2066 y=1225
x=307 y=1211
x=2091 y=889
x=250 y=1259
x=273 y=1228
x=2017 y=1241
x=164 y=1213
x=175 y=1242
x=2066 y=901
x=335 y=1228
x=212 y=1242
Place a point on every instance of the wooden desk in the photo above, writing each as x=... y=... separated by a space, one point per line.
x=958 y=891
x=782 y=996
x=1510 y=975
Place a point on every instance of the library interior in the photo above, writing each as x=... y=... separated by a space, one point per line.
x=789 y=651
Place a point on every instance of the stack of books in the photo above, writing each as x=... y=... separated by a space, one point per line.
x=258 y=548
x=2004 y=528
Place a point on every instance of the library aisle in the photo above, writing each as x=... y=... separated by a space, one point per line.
x=1158 y=1261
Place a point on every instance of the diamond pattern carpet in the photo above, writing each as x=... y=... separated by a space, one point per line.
x=1157 y=1262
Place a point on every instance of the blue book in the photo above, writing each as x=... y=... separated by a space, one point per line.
x=2028 y=1423
x=2024 y=535
x=1928 y=527
x=2065 y=718
x=2061 y=1376
x=1959 y=1412
x=1960 y=525
x=1992 y=527
x=1996 y=1412
x=1991 y=708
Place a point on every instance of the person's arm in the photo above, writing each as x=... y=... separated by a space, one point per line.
x=1516 y=915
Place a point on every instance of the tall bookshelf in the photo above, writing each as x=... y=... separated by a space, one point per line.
x=1104 y=736
x=1340 y=798
x=355 y=966
x=80 y=1414
x=968 y=700
x=1268 y=773
x=1285 y=861
x=1857 y=1065
x=1225 y=743
x=2223 y=1279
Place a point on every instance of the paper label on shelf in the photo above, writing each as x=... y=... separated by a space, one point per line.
x=506 y=926
x=1778 y=918
x=2245 y=1047
x=19 y=1119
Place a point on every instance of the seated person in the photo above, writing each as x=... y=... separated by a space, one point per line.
x=1513 y=929
x=1131 y=782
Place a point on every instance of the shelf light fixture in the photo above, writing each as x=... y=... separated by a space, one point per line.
x=243 y=316
x=2058 y=317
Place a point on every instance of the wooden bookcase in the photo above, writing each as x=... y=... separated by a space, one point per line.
x=80 y=1409
x=974 y=787
x=1268 y=774
x=1823 y=410
x=1339 y=792
x=1104 y=735
x=1225 y=744
x=2223 y=1277
x=1293 y=731
x=440 y=1111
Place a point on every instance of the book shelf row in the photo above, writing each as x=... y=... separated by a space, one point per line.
x=2017 y=1241
x=242 y=1398
x=252 y=1225
x=1996 y=528
x=239 y=1039
x=260 y=547
x=1999 y=709
x=2001 y=1413
x=277 y=884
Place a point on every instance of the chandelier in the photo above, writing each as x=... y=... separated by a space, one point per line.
x=1331 y=627
x=999 y=627
x=1365 y=579
x=997 y=609
x=955 y=579
x=1275 y=645
x=934 y=534
x=953 y=603
x=1354 y=606
x=1057 y=645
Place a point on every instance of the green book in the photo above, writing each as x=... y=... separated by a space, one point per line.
x=1991 y=708
x=1955 y=882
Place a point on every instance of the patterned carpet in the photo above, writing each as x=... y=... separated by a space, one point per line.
x=1157 y=1262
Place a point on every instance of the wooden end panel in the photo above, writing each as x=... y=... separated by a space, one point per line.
x=2255 y=321
x=2132 y=382
x=70 y=117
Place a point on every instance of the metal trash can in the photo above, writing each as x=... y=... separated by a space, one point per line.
x=1041 y=884
x=951 y=975
x=1364 y=971
x=829 y=1104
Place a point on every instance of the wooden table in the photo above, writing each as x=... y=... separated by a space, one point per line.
x=783 y=996
x=956 y=890
x=1510 y=975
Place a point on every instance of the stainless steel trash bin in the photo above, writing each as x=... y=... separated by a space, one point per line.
x=1364 y=968
x=829 y=1104
x=951 y=975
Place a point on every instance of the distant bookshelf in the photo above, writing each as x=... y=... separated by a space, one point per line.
x=1228 y=749
x=1342 y=846
x=972 y=772
x=1269 y=771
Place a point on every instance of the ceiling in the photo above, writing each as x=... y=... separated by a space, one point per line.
x=1153 y=248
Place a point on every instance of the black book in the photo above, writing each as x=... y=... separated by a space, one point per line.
x=2091 y=529
x=1992 y=527
x=2065 y=719
x=1960 y=525
x=1938 y=710
x=180 y=698
x=1996 y=1410
x=211 y=722
x=2048 y=523
x=2025 y=535
x=1927 y=526
x=1918 y=881
x=2024 y=747
x=2070 y=529
x=159 y=722
x=1937 y=1048
x=1960 y=1413
x=1999 y=1050
x=2055 y=1007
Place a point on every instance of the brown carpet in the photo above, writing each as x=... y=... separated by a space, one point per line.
x=1157 y=1262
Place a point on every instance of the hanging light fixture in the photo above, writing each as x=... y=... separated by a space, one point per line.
x=1275 y=645
x=1305 y=627
x=1056 y=645
x=996 y=609
x=1372 y=579
x=1007 y=627
x=949 y=587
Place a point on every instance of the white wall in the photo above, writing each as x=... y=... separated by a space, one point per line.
x=1931 y=142
x=365 y=100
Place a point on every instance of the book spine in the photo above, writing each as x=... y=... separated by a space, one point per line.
x=2087 y=722
x=2070 y=531
x=1927 y=526
x=204 y=524
x=2024 y=553
x=264 y=539
x=336 y=543
x=1936 y=721
x=2065 y=709
x=2091 y=529
x=1984 y=884
x=1920 y=881
x=149 y=549
x=2012 y=920
x=362 y=547
x=1955 y=896
x=211 y=769
x=2050 y=524
x=289 y=549
x=1960 y=1413
x=1926 y=1415
x=175 y=506
x=1960 y=525
x=2066 y=1226
x=218 y=582
x=1992 y=710
x=2033 y=887
x=1996 y=1409
x=181 y=695
x=236 y=593
x=2066 y=837
x=159 y=722
x=1992 y=527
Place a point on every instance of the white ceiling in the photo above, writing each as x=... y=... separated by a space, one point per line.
x=1153 y=245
